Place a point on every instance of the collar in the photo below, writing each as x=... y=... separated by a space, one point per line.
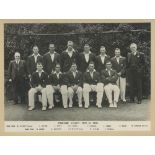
x=57 y=73
x=41 y=71
x=70 y=51
x=75 y=71
x=118 y=57
x=92 y=72
x=36 y=55
x=103 y=56
x=108 y=70
x=87 y=53
x=52 y=53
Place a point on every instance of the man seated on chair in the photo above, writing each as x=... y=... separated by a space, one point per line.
x=74 y=85
x=38 y=81
x=57 y=81
x=91 y=82
x=109 y=78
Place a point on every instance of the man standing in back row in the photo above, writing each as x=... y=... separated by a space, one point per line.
x=32 y=61
x=135 y=63
x=68 y=57
x=50 y=59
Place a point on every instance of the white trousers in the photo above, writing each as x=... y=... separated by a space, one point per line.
x=31 y=97
x=50 y=91
x=109 y=88
x=121 y=82
x=97 y=88
x=71 y=93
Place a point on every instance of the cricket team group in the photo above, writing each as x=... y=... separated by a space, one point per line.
x=72 y=72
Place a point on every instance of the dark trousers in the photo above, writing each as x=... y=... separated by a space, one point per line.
x=135 y=84
x=18 y=89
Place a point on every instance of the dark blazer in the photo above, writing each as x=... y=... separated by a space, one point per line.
x=119 y=67
x=88 y=79
x=83 y=65
x=31 y=64
x=36 y=80
x=74 y=81
x=54 y=80
x=99 y=65
x=139 y=62
x=49 y=66
x=106 y=78
x=15 y=70
x=66 y=60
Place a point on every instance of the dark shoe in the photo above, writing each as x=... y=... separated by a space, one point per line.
x=139 y=102
x=131 y=101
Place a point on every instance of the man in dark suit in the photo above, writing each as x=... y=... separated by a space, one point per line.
x=109 y=78
x=74 y=85
x=91 y=82
x=57 y=81
x=50 y=59
x=101 y=59
x=68 y=57
x=119 y=64
x=17 y=75
x=32 y=60
x=135 y=64
x=38 y=81
x=85 y=58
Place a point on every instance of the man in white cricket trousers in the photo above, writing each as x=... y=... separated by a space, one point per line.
x=109 y=78
x=119 y=64
x=57 y=82
x=38 y=81
x=91 y=82
x=74 y=85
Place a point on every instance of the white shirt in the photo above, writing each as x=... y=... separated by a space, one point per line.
x=35 y=57
x=86 y=55
x=103 y=58
x=70 y=53
x=52 y=56
x=117 y=59
x=40 y=72
x=17 y=61
x=109 y=71
x=57 y=74
x=74 y=73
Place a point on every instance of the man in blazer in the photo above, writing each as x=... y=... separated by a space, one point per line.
x=17 y=75
x=38 y=81
x=109 y=78
x=135 y=64
x=85 y=58
x=101 y=59
x=74 y=85
x=119 y=64
x=32 y=61
x=50 y=59
x=68 y=57
x=91 y=82
x=57 y=81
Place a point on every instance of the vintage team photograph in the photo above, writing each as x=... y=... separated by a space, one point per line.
x=77 y=71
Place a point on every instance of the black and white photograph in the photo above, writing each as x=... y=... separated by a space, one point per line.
x=77 y=72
